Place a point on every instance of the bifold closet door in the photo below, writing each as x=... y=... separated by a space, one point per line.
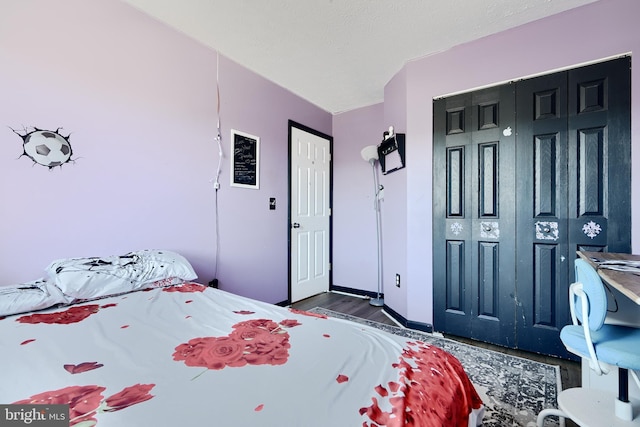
x=515 y=197
x=543 y=260
x=574 y=154
x=474 y=218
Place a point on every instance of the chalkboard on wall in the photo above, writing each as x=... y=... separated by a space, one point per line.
x=245 y=160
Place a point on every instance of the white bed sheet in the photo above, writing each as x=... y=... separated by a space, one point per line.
x=126 y=364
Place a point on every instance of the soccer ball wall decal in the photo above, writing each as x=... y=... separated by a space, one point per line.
x=46 y=148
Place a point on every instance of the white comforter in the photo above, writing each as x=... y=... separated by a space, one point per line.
x=195 y=356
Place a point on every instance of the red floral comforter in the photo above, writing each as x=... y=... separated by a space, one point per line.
x=190 y=355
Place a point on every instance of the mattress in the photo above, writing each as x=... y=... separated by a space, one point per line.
x=188 y=354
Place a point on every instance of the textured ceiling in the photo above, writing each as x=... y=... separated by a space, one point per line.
x=339 y=54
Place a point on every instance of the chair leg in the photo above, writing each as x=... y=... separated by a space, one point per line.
x=551 y=412
x=623 y=408
x=623 y=384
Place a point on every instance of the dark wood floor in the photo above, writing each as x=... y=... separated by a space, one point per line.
x=355 y=306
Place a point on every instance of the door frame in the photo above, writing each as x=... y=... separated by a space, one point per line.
x=291 y=125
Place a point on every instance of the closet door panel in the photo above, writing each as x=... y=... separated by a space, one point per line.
x=545 y=286
x=455 y=182
x=474 y=281
x=545 y=175
x=488 y=175
x=452 y=229
x=488 y=295
x=600 y=156
x=455 y=298
x=542 y=251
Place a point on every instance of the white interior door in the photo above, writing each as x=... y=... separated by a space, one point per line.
x=310 y=213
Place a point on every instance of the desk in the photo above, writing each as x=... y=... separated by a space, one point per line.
x=628 y=284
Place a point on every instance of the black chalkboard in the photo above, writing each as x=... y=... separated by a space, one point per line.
x=245 y=170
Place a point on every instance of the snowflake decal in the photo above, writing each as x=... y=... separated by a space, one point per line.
x=456 y=228
x=591 y=229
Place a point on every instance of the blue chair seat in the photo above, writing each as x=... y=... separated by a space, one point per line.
x=614 y=344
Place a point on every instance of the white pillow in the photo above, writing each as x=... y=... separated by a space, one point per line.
x=29 y=296
x=89 y=278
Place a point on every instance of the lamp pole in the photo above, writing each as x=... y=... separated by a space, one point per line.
x=379 y=301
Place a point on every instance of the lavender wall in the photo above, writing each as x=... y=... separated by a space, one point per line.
x=139 y=100
x=395 y=184
x=592 y=32
x=354 y=219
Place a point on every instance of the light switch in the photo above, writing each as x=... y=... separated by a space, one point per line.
x=272 y=203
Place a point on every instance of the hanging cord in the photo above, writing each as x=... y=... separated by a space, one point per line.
x=216 y=181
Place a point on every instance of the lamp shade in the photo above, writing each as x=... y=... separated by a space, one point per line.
x=369 y=153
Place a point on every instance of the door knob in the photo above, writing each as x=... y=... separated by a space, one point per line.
x=295 y=225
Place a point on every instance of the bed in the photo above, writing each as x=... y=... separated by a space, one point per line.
x=134 y=341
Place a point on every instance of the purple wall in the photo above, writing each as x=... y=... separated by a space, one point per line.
x=354 y=218
x=589 y=33
x=139 y=100
x=395 y=186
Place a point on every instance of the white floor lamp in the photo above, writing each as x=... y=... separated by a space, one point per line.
x=370 y=154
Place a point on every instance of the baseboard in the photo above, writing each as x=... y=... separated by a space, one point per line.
x=420 y=326
x=354 y=292
x=424 y=327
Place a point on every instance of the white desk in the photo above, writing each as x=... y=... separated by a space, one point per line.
x=627 y=284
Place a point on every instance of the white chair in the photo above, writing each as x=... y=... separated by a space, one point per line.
x=605 y=346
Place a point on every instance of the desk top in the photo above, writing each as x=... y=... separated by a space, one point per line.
x=627 y=283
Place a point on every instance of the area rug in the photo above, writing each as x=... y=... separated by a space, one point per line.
x=512 y=388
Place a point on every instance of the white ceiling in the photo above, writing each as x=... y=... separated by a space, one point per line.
x=339 y=54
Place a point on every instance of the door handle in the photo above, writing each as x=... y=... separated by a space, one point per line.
x=295 y=225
